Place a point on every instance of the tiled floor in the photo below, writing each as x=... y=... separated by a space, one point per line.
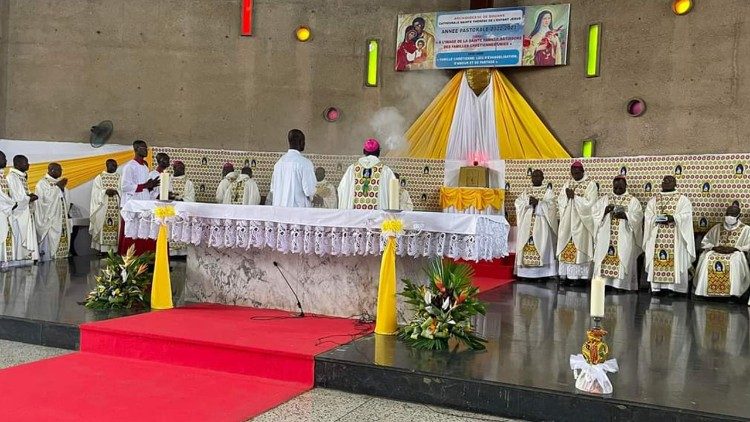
x=316 y=405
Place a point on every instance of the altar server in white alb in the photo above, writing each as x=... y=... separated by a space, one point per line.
x=104 y=220
x=293 y=181
x=52 y=222
x=25 y=243
x=325 y=192
x=365 y=183
x=404 y=199
x=722 y=269
x=244 y=190
x=536 y=215
x=7 y=205
x=182 y=188
x=618 y=222
x=668 y=239
x=228 y=175
x=136 y=185
x=575 y=237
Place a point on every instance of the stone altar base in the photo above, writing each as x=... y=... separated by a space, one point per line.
x=344 y=286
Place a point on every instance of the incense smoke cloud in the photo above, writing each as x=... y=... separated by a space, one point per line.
x=389 y=126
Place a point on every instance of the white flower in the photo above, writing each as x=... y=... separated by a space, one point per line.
x=124 y=275
x=447 y=304
x=427 y=298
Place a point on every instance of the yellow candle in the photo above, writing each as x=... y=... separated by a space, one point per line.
x=597 y=297
x=394 y=194
x=164 y=187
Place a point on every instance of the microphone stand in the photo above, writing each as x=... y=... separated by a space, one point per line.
x=299 y=305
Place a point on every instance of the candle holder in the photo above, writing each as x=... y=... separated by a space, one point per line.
x=591 y=366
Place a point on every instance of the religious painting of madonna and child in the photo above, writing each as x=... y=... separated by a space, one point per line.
x=499 y=37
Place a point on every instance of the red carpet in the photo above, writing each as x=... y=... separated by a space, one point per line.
x=201 y=362
x=492 y=274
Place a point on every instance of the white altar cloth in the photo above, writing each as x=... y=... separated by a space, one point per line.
x=322 y=231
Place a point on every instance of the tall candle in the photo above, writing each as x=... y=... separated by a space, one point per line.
x=394 y=194
x=597 y=297
x=164 y=186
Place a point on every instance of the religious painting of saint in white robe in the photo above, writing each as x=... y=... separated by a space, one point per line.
x=104 y=220
x=575 y=235
x=618 y=241
x=537 y=234
x=720 y=274
x=52 y=222
x=669 y=248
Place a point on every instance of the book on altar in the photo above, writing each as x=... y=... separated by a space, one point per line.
x=474 y=177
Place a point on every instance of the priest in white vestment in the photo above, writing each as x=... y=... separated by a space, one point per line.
x=293 y=181
x=52 y=223
x=7 y=205
x=182 y=188
x=162 y=166
x=365 y=183
x=618 y=225
x=575 y=236
x=228 y=175
x=244 y=190
x=136 y=184
x=722 y=269
x=668 y=240
x=25 y=244
x=104 y=219
x=537 y=222
x=325 y=192
x=404 y=199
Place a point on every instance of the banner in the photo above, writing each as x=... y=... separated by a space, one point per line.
x=501 y=37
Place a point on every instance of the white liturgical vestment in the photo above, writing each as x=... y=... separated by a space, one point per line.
x=52 y=223
x=575 y=236
x=26 y=247
x=243 y=191
x=363 y=181
x=293 y=181
x=104 y=220
x=724 y=274
x=537 y=233
x=133 y=175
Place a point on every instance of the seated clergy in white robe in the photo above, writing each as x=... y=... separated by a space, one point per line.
x=181 y=188
x=575 y=236
x=365 y=183
x=52 y=222
x=668 y=240
x=244 y=190
x=618 y=223
x=22 y=225
x=228 y=175
x=293 y=179
x=536 y=220
x=104 y=220
x=325 y=192
x=722 y=269
x=404 y=199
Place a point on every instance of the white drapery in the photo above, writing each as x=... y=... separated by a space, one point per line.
x=322 y=231
x=473 y=136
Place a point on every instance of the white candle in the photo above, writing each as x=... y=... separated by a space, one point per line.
x=394 y=194
x=164 y=187
x=597 y=297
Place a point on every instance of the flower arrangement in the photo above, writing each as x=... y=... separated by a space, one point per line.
x=392 y=227
x=124 y=282
x=443 y=308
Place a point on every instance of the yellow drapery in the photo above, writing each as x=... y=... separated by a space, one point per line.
x=521 y=134
x=79 y=170
x=385 y=321
x=161 y=284
x=464 y=198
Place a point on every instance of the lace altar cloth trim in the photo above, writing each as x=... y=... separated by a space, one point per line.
x=489 y=240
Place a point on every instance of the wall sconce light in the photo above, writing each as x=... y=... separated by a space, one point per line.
x=373 y=62
x=592 y=50
x=682 y=7
x=332 y=114
x=587 y=148
x=636 y=107
x=303 y=33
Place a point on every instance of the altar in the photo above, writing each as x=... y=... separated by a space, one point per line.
x=331 y=258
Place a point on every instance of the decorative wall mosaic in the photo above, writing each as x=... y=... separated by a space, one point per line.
x=423 y=178
x=711 y=181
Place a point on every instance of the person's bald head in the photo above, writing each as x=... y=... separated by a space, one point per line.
x=248 y=171
x=733 y=210
x=21 y=163
x=54 y=170
x=111 y=166
x=320 y=174
x=668 y=184
x=537 y=177
x=619 y=185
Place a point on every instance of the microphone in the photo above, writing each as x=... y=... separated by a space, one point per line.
x=299 y=305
